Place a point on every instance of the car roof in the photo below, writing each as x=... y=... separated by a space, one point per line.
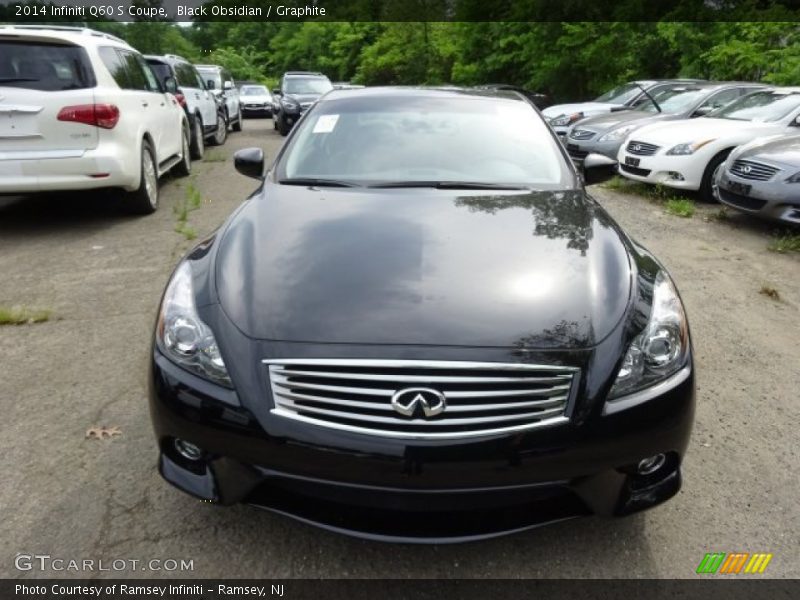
x=218 y=67
x=422 y=92
x=80 y=36
x=304 y=73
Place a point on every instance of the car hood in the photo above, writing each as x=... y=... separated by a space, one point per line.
x=422 y=266
x=604 y=123
x=691 y=130
x=301 y=98
x=783 y=149
x=585 y=107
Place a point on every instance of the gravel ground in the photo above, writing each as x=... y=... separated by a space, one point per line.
x=101 y=273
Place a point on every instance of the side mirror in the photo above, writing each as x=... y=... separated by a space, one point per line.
x=598 y=168
x=276 y=91
x=796 y=122
x=210 y=84
x=228 y=85
x=171 y=85
x=250 y=162
x=703 y=111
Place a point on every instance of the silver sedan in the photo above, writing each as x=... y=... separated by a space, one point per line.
x=763 y=178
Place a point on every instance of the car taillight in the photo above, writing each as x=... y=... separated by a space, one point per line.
x=99 y=115
x=181 y=99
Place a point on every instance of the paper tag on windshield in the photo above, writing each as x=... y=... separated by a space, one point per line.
x=325 y=123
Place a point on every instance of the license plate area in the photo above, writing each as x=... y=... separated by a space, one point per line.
x=742 y=189
x=632 y=162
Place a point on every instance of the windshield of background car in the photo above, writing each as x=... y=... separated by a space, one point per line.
x=620 y=94
x=674 y=101
x=760 y=107
x=254 y=90
x=44 y=67
x=307 y=85
x=211 y=75
x=408 y=138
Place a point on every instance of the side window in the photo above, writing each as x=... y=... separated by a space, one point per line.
x=150 y=78
x=116 y=66
x=226 y=76
x=720 y=99
x=137 y=80
x=199 y=78
x=185 y=75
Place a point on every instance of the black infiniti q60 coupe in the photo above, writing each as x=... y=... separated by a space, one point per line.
x=422 y=328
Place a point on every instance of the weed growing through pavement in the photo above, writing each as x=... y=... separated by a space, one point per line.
x=769 y=292
x=191 y=201
x=680 y=207
x=22 y=316
x=783 y=244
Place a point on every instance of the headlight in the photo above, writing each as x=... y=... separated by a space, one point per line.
x=290 y=104
x=688 y=148
x=660 y=350
x=182 y=336
x=618 y=133
x=564 y=120
x=794 y=178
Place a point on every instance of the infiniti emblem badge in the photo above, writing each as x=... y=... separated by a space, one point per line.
x=636 y=147
x=410 y=401
x=746 y=169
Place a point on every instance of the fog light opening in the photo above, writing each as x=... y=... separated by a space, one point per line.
x=675 y=176
x=651 y=464
x=188 y=450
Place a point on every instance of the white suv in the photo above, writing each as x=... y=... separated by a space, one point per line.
x=81 y=109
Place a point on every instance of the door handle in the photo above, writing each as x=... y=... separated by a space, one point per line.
x=145 y=103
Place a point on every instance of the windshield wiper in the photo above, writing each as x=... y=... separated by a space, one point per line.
x=448 y=185
x=315 y=181
x=14 y=79
x=653 y=100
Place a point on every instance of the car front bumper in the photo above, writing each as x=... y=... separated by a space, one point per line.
x=417 y=491
x=774 y=200
x=579 y=149
x=680 y=172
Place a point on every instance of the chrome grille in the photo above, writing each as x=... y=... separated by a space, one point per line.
x=481 y=398
x=642 y=148
x=581 y=134
x=748 y=169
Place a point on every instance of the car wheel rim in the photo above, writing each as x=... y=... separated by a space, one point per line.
x=714 y=186
x=220 y=129
x=186 y=159
x=198 y=133
x=150 y=178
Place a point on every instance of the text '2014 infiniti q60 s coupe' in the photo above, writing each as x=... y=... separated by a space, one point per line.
x=422 y=328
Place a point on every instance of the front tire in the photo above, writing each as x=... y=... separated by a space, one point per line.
x=708 y=185
x=198 y=148
x=144 y=199
x=238 y=125
x=221 y=133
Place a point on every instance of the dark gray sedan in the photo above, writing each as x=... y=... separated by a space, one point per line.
x=763 y=178
x=605 y=133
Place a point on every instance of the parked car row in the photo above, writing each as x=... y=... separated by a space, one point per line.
x=733 y=142
x=81 y=110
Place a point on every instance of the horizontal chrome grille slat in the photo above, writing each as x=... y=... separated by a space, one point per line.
x=279 y=381
x=471 y=398
x=556 y=401
x=426 y=378
x=425 y=422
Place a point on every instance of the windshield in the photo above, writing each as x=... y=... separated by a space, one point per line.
x=44 y=67
x=254 y=90
x=674 y=101
x=306 y=85
x=622 y=94
x=421 y=139
x=760 y=107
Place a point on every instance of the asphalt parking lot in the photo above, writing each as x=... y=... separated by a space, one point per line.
x=101 y=274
